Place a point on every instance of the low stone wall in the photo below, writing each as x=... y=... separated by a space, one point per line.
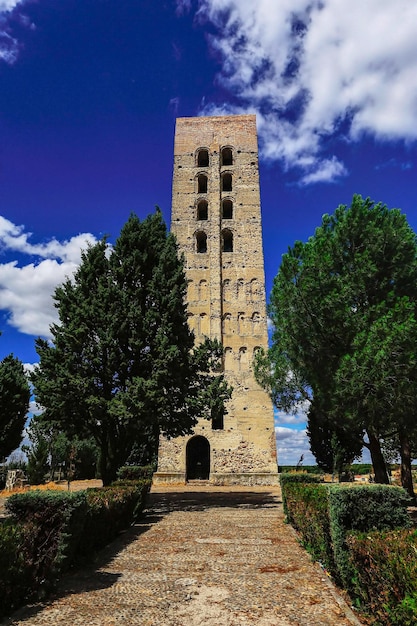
x=245 y=479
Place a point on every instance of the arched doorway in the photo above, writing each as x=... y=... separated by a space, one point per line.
x=198 y=458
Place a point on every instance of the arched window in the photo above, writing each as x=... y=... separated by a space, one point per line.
x=227 y=209
x=201 y=241
x=202 y=210
x=228 y=359
x=241 y=323
x=227 y=241
x=254 y=289
x=204 y=324
x=203 y=158
x=227 y=156
x=241 y=289
x=243 y=359
x=190 y=290
x=202 y=290
x=227 y=323
x=256 y=323
x=202 y=183
x=227 y=182
x=227 y=290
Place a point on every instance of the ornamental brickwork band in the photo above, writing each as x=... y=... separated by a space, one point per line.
x=216 y=218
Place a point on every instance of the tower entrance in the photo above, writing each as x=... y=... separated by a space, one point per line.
x=198 y=458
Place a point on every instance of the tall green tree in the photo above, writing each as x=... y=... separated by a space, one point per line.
x=14 y=404
x=121 y=366
x=327 y=295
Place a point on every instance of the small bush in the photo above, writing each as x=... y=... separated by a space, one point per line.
x=385 y=575
x=324 y=514
x=49 y=531
x=299 y=477
x=15 y=580
x=135 y=472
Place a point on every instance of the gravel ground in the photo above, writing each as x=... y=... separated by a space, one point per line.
x=201 y=556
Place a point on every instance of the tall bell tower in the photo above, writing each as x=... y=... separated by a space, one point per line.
x=216 y=218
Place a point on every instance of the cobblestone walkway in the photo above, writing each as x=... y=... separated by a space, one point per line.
x=201 y=556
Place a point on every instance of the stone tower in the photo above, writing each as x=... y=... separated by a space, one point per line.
x=216 y=218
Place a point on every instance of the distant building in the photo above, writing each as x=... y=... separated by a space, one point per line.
x=216 y=219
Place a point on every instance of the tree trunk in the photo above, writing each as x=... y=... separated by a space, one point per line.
x=378 y=461
x=406 y=475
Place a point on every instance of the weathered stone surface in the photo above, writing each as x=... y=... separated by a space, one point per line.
x=217 y=222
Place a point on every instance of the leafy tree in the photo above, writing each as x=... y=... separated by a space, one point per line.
x=327 y=297
x=37 y=454
x=121 y=367
x=14 y=404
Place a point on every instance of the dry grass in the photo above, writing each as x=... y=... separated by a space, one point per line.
x=47 y=487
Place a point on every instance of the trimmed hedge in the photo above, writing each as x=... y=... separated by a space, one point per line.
x=324 y=514
x=295 y=477
x=49 y=531
x=136 y=472
x=385 y=576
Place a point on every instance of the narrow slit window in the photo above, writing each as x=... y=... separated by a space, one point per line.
x=227 y=241
x=202 y=183
x=227 y=182
x=227 y=209
x=227 y=156
x=203 y=158
x=201 y=241
x=202 y=210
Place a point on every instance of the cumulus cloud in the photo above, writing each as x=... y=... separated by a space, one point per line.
x=313 y=68
x=291 y=444
x=26 y=290
x=9 y=45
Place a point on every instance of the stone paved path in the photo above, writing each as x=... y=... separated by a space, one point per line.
x=201 y=556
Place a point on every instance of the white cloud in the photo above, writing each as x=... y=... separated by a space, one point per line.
x=9 y=46
x=291 y=444
x=26 y=291
x=310 y=68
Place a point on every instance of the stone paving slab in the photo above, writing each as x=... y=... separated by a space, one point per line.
x=202 y=555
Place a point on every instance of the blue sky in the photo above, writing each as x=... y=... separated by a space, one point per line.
x=89 y=93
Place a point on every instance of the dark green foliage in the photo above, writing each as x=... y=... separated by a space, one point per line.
x=48 y=532
x=14 y=404
x=307 y=511
x=14 y=576
x=110 y=510
x=122 y=367
x=363 y=508
x=135 y=472
x=324 y=514
x=289 y=478
x=343 y=306
x=384 y=586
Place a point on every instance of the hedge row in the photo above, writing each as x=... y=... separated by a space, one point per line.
x=50 y=531
x=342 y=527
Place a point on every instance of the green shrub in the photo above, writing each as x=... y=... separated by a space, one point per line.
x=362 y=508
x=15 y=580
x=110 y=510
x=135 y=472
x=53 y=522
x=385 y=575
x=299 y=477
x=49 y=531
x=324 y=514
